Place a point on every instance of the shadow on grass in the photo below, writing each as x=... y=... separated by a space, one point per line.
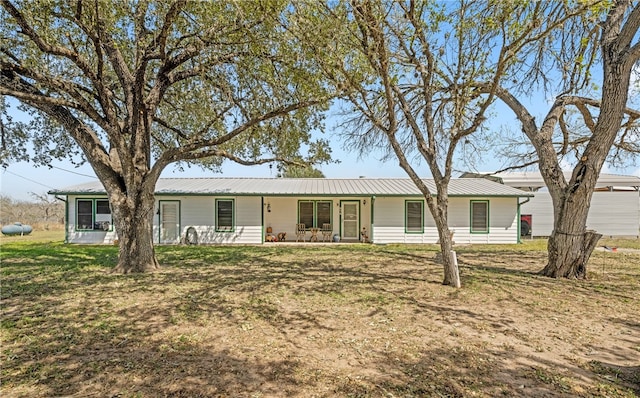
x=624 y=376
x=236 y=321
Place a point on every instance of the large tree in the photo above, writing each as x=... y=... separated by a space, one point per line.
x=611 y=127
x=144 y=84
x=411 y=68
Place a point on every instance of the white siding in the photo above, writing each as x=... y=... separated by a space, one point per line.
x=198 y=212
x=252 y=220
x=611 y=213
x=283 y=215
x=615 y=213
x=541 y=209
x=503 y=223
x=389 y=223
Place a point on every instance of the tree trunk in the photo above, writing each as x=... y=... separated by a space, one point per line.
x=133 y=220
x=569 y=254
x=570 y=245
x=451 y=272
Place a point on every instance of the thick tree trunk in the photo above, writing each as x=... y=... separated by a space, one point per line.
x=570 y=245
x=133 y=219
x=569 y=254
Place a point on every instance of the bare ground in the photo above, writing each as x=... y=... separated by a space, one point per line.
x=318 y=321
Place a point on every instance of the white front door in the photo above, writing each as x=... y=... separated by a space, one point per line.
x=350 y=221
x=169 y=222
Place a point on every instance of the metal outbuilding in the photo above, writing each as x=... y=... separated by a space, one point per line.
x=614 y=210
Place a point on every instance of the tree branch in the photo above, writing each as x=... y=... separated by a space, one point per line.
x=629 y=28
x=43 y=45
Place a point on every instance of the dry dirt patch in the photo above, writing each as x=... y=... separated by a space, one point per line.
x=324 y=321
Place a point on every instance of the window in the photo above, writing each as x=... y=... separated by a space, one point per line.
x=314 y=213
x=224 y=215
x=305 y=213
x=323 y=213
x=414 y=216
x=93 y=215
x=102 y=207
x=84 y=214
x=480 y=216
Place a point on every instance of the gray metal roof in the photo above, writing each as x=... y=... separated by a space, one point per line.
x=307 y=186
x=533 y=179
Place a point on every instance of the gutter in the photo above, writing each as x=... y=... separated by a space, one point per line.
x=66 y=217
x=519 y=221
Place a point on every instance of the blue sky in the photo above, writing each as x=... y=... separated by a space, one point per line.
x=20 y=180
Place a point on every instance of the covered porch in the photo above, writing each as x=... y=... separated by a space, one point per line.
x=317 y=219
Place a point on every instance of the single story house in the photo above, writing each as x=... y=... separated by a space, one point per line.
x=257 y=210
x=614 y=210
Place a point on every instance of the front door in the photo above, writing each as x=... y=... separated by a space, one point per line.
x=169 y=222
x=350 y=221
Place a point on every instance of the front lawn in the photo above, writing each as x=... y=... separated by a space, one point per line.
x=324 y=321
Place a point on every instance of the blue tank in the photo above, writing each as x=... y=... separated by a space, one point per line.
x=17 y=229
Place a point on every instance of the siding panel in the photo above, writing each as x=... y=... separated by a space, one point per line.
x=503 y=223
x=611 y=213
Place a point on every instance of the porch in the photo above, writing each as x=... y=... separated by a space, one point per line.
x=316 y=220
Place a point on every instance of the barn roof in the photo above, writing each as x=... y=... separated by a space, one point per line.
x=307 y=187
x=533 y=179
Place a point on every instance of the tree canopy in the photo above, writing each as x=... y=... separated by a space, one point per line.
x=582 y=69
x=141 y=85
x=197 y=74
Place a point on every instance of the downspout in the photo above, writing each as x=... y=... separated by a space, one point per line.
x=159 y=223
x=373 y=202
x=66 y=217
x=519 y=220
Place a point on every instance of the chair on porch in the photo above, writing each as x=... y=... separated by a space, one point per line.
x=314 y=235
x=326 y=232
x=301 y=231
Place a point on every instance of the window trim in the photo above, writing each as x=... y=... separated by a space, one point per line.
x=406 y=217
x=94 y=212
x=487 y=217
x=315 y=212
x=231 y=228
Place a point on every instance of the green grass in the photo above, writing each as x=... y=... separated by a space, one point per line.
x=343 y=320
x=35 y=236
